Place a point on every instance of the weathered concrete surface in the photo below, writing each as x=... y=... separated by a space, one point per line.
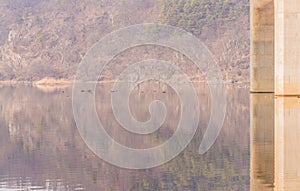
x=275 y=66
x=287 y=47
x=262 y=142
x=262 y=46
x=275 y=46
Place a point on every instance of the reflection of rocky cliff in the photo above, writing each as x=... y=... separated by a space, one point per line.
x=39 y=140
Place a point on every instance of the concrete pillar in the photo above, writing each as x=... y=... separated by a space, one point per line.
x=275 y=46
x=262 y=142
x=275 y=67
x=262 y=45
x=287 y=47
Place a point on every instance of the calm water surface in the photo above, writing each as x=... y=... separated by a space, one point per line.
x=275 y=140
x=41 y=148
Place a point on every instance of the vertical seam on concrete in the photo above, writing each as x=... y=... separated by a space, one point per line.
x=279 y=47
x=279 y=104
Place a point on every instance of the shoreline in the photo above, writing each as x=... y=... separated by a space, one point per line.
x=67 y=83
x=52 y=85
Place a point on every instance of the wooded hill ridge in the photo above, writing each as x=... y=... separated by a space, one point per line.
x=40 y=38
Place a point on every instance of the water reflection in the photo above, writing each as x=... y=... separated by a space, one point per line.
x=275 y=151
x=40 y=147
x=287 y=150
x=262 y=141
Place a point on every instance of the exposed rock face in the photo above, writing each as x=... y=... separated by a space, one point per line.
x=49 y=38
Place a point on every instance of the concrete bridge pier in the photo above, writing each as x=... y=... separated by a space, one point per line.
x=275 y=47
x=275 y=70
x=287 y=47
x=262 y=46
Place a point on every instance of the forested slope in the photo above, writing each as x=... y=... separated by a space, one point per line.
x=49 y=38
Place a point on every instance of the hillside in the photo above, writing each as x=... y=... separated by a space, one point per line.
x=49 y=38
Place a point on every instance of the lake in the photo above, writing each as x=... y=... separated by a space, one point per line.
x=41 y=148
